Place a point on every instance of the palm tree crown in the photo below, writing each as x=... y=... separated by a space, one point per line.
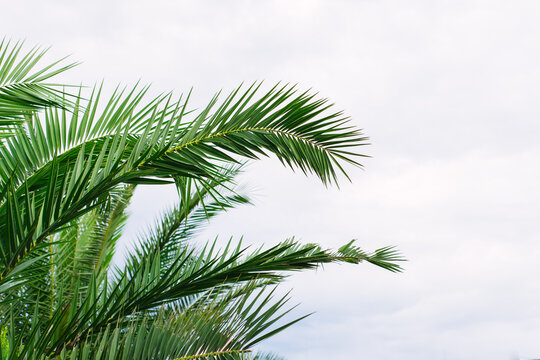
x=69 y=163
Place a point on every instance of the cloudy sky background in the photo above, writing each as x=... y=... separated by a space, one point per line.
x=448 y=93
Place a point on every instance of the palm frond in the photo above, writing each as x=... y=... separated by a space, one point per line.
x=166 y=150
x=23 y=88
x=142 y=285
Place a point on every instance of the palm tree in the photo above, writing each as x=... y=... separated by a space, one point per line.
x=69 y=163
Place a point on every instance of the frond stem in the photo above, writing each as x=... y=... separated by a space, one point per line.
x=213 y=354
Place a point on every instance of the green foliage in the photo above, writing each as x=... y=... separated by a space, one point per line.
x=23 y=89
x=69 y=164
x=4 y=343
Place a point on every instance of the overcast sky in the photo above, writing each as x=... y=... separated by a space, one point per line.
x=448 y=93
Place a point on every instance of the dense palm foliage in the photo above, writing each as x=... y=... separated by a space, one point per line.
x=69 y=164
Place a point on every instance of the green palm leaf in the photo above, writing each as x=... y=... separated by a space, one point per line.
x=23 y=89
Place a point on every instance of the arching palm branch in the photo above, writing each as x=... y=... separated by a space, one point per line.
x=68 y=169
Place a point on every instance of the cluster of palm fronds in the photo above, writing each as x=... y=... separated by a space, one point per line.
x=69 y=163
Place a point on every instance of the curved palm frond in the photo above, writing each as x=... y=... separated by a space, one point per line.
x=168 y=148
x=141 y=288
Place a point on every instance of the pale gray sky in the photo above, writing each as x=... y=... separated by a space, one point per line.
x=447 y=91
